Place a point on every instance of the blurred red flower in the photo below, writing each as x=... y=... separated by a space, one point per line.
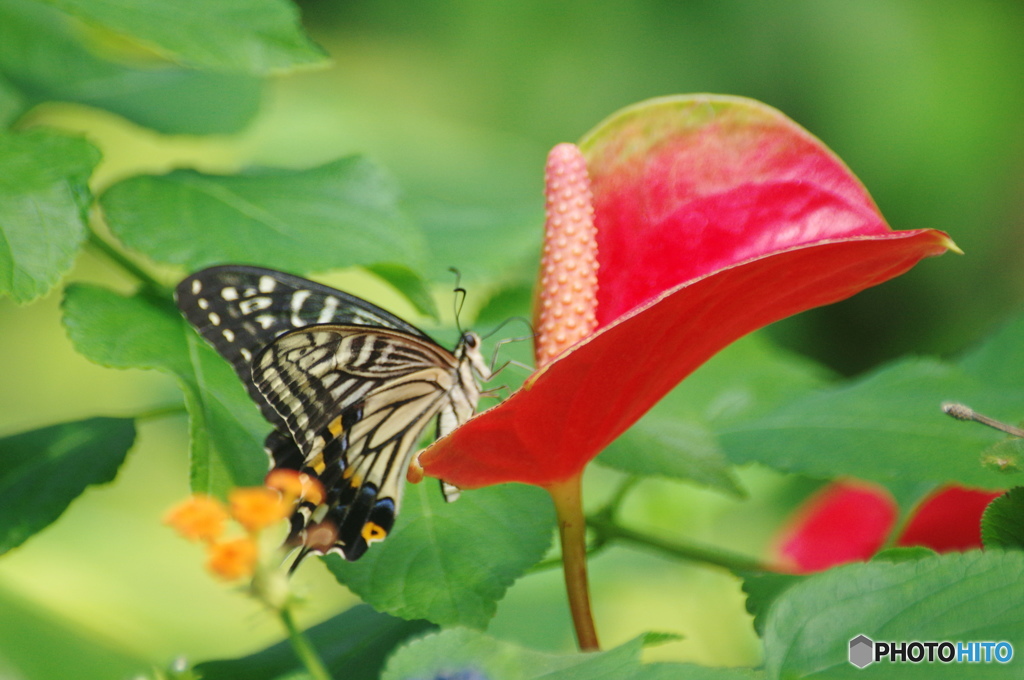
x=849 y=521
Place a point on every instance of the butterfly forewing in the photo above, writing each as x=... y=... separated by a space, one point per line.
x=239 y=310
x=349 y=387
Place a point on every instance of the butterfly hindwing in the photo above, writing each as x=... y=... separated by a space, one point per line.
x=356 y=402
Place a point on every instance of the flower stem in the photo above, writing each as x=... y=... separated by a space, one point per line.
x=302 y=647
x=610 y=531
x=162 y=412
x=112 y=253
x=572 y=530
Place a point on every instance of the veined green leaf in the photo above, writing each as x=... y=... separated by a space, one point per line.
x=44 y=196
x=45 y=58
x=1002 y=525
x=227 y=430
x=965 y=597
x=341 y=214
x=455 y=559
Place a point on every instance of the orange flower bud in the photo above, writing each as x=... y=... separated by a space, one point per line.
x=200 y=517
x=257 y=507
x=233 y=559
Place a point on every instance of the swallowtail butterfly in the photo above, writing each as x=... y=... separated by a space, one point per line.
x=348 y=387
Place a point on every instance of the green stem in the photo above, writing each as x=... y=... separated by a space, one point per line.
x=572 y=529
x=117 y=256
x=161 y=412
x=303 y=649
x=608 y=530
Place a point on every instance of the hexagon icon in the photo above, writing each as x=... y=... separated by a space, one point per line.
x=861 y=651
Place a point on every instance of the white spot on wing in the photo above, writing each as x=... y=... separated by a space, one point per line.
x=215 y=318
x=229 y=335
x=254 y=304
x=203 y=303
x=246 y=354
x=299 y=298
x=229 y=293
x=267 y=284
x=327 y=313
x=265 y=320
x=196 y=286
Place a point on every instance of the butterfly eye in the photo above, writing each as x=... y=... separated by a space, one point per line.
x=470 y=340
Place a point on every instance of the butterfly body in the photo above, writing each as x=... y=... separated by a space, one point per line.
x=349 y=387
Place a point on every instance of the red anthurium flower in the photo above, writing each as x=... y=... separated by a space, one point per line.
x=846 y=521
x=850 y=521
x=711 y=217
x=949 y=520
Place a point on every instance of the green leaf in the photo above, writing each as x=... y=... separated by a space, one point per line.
x=886 y=427
x=408 y=283
x=250 y=36
x=44 y=196
x=667 y=445
x=678 y=438
x=341 y=214
x=469 y=655
x=999 y=360
x=43 y=55
x=353 y=645
x=970 y=596
x=506 y=303
x=1002 y=525
x=42 y=471
x=484 y=243
x=227 y=430
x=763 y=589
x=455 y=560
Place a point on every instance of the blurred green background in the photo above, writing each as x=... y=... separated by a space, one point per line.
x=461 y=99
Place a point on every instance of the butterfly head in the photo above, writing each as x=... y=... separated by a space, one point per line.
x=469 y=351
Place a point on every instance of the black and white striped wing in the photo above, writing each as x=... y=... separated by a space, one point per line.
x=356 y=401
x=240 y=309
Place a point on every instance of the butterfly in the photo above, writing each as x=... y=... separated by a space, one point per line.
x=348 y=387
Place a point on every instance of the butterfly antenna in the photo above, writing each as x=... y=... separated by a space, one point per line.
x=460 y=297
x=962 y=412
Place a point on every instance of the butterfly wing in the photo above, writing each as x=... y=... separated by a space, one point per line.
x=341 y=403
x=240 y=309
x=356 y=401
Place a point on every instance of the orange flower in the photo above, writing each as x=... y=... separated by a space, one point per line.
x=294 y=484
x=233 y=559
x=257 y=507
x=200 y=517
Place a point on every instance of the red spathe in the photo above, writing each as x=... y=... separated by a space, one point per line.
x=716 y=216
